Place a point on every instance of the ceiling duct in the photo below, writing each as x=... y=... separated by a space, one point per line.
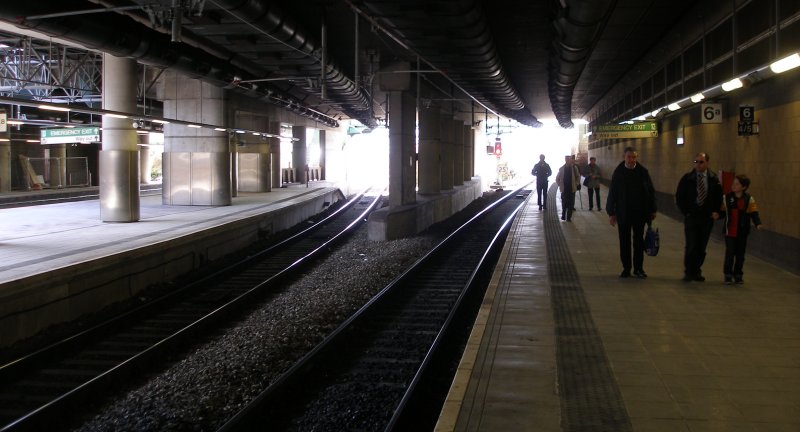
x=456 y=33
x=578 y=27
x=122 y=37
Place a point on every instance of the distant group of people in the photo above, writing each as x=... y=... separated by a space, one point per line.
x=631 y=204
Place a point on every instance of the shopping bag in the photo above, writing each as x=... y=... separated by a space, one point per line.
x=651 y=241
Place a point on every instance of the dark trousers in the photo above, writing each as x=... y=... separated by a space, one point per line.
x=567 y=204
x=541 y=193
x=734 y=255
x=592 y=192
x=625 y=245
x=696 y=230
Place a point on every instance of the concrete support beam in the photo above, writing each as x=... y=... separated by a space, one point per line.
x=447 y=152
x=299 y=153
x=119 y=158
x=458 y=152
x=322 y=154
x=402 y=152
x=429 y=159
x=469 y=152
x=252 y=153
x=5 y=163
x=275 y=153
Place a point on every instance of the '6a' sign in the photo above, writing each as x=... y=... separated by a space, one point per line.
x=711 y=113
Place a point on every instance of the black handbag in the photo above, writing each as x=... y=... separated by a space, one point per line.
x=586 y=181
x=652 y=240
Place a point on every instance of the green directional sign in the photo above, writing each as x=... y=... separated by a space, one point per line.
x=83 y=135
x=636 y=130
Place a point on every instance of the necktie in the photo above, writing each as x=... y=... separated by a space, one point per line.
x=701 y=189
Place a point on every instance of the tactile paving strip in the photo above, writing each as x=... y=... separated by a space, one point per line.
x=590 y=397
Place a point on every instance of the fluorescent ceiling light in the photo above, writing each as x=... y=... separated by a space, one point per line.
x=53 y=108
x=117 y=116
x=674 y=106
x=732 y=85
x=655 y=113
x=698 y=97
x=32 y=141
x=4 y=140
x=194 y=126
x=240 y=131
x=160 y=121
x=15 y=122
x=256 y=133
x=786 y=63
x=640 y=118
x=220 y=129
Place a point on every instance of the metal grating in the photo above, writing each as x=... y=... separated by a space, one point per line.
x=590 y=398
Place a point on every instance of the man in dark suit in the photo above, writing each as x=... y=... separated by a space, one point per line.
x=699 y=198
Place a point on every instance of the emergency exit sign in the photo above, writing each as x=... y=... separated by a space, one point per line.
x=82 y=135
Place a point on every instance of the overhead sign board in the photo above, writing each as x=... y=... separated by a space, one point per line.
x=636 y=130
x=82 y=135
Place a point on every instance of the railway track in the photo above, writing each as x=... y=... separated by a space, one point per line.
x=388 y=367
x=59 y=381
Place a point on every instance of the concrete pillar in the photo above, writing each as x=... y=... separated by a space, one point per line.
x=119 y=158
x=144 y=160
x=275 y=153
x=402 y=152
x=458 y=152
x=5 y=165
x=299 y=156
x=429 y=164
x=322 y=144
x=447 y=152
x=58 y=167
x=197 y=162
x=469 y=152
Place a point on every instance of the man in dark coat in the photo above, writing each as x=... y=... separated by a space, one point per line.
x=699 y=198
x=542 y=172
x=631 y=203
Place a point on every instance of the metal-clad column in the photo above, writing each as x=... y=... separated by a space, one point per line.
x=322 y=155
x=197 y=162
x=119 y=157
x=430 y=178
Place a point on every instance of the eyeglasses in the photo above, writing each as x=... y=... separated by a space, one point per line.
x=699 y=162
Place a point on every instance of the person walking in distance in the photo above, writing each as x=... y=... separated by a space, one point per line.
x=568 y=179
x=699 y=198
x=630 y=204
x=542 y=173
x=592 y=183
x=738 y=209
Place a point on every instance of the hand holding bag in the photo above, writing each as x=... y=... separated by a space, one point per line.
x=652 y=240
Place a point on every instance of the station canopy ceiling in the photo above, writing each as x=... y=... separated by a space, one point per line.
x=526 y=60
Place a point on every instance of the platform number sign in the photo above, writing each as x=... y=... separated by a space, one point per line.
x=712 y=113
x=747 y=124
x=3 y=122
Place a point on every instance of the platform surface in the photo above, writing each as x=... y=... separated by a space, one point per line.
x=563 y=344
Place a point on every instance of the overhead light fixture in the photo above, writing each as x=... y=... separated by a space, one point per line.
x=32 y=141
x=160 y=121
x=120 y=116
x=256 y=133
x=4 y=139
x=15 y=122
x=674 y=106
x=220 y=129
x=786 y=63
x=732 y=85
x=655 y=113
x=239 y=131
x=53 y=108
x=640 y=118
x=194 y=126
x=698 y=97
